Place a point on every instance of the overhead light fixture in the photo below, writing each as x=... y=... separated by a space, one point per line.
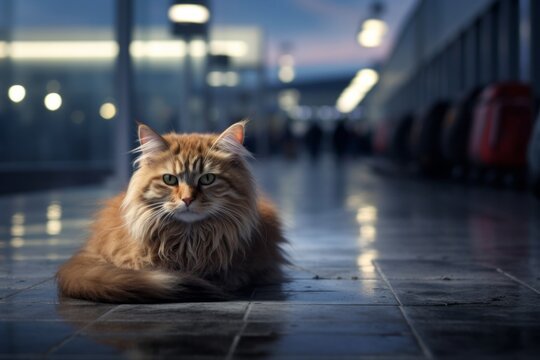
x=189 y=17
x=232 y=48
x=158 y=49
x=189 y=13
x=4 y=49
x=197 y=48
x=373 y=29
x=286 y=72
x=107 y=50
x=53 y=101
x=55 y=50
x=353 y=94
x=17 y=93
x=288 y=99
x=107 y=111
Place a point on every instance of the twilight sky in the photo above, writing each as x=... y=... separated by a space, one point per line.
x=321 y=32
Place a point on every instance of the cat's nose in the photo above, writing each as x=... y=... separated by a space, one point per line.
x=187 y=200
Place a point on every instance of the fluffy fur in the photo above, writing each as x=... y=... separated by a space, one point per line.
x=180 y=242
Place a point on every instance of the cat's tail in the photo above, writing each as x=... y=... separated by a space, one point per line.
x=87 y=276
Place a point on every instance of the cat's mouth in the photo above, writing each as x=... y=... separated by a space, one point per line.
x=188 y=215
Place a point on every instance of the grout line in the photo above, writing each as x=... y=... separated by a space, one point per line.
x=79 y=331
x=237 y=337
x=419 y=340
x=27 y=288
x=512 y=277
x=248 y=310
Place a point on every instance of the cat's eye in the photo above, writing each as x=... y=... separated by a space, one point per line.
x=207 y=179
x=170 y=179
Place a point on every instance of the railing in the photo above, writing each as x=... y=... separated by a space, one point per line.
x=449 y=48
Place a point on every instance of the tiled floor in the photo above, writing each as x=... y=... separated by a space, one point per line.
x=384 y=267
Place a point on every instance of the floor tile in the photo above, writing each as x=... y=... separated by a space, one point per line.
x=464 y=292
x=326 y=345
x=437 y=270
x=148 y=345
x=53 y=312
x=486 y=339
x=268 y=312
x=191 y=312
x=31 y=337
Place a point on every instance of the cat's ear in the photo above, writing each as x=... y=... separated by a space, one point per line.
x=235 y=132
x=150 y=141
x=232 y=139
x=148 y=136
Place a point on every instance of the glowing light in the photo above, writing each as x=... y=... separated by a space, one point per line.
x=54 y=50
x=214 y=78
x=53 y=101
x=17 y=242
x=54 y=227
x=231 y=78
x=349 y=99
x=365 y=79
x=107 y=111
x=54 y=211
x=376 y=26
x=4 y=49
x=369 y=39
x=17 y=230
x=372 y=33
x=158 y=49
x=17 y=93
x=366 y=258
x=197 y=48
x=366 y=214
x=286 y=74
x=105 y=50
x=17 y=219
x=189 y=13
x=17 y=225
x=368 y=232
x=288 y=99
x=233 y=48
x=365 y=262
x=218 y=78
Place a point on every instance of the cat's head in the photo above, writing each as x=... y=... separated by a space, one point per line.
x=189 y=179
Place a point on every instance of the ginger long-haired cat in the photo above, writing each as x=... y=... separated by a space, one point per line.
x=191 y=226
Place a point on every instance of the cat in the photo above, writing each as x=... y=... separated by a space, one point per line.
x=190 y=226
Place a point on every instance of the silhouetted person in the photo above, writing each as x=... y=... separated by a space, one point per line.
x=289 y=142
x=313 y=140
x=340 y=139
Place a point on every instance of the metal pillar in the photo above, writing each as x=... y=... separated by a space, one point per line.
x=508 y=33
x=125 y=132
x=185 y=117
x=535 y=49
x=488 y=47
x=7 y=114
x=469 y=59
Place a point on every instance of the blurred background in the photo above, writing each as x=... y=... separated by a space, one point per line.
x=445 y=89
